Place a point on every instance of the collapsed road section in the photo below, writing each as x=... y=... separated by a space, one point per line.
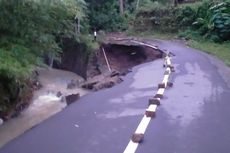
x=115 y=58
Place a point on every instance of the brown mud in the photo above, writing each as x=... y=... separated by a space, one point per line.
x=122 y=54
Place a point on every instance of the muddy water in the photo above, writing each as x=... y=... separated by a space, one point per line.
x=45 y=103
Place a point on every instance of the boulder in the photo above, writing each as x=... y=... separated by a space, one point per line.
x=59 y=94
x=72 y=98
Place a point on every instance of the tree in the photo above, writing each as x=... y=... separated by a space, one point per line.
x=121 y=6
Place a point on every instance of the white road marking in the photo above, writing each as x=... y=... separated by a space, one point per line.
x=168 y=70
x=160 y=91
x=165 y=79
x=143 y=125
x=152 y=108
x=168 y=62
x=132 y=146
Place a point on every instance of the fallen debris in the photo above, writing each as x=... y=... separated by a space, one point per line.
x=103 y=81
x=72 y=98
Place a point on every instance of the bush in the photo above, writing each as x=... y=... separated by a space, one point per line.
x=213 y=21
x=208 y=19
x=106 y=17
x=29 y=30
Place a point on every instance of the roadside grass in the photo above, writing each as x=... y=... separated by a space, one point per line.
x=153 y=35
x=220 y=50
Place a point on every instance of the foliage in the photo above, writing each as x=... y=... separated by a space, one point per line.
x=214 y=21
x=219 y=50
x=29 y=30
x=208 y=19
x=146 y=5
x=106 y=17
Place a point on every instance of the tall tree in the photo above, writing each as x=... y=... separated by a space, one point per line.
x=121 y=6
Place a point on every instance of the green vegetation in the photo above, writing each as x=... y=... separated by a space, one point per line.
x=152 y=34
x=105 y=15
x=31 y=30
x=208 y=19
x=221 y=51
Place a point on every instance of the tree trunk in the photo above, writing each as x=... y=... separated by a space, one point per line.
x=121 y=5
x=137 y=6
x=175 y=3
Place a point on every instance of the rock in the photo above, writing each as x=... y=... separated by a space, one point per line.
x=169 y=84
x=107 y=83
x=59 y=94
x=114 y=73
x=63 y=99
x=103 y=85
x=89 y=85
x=72 y=98
x=72 y=84
x=37 y=85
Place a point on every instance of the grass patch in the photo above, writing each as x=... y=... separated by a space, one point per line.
x=222 y=51
x=153 y=35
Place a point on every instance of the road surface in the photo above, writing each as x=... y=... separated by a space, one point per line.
x=193 y=116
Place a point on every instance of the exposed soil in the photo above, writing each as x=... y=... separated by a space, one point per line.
x=122 y=55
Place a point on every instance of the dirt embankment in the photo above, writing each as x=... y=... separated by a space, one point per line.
x=121 y=54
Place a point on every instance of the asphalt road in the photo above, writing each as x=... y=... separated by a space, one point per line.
x=193 y=118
